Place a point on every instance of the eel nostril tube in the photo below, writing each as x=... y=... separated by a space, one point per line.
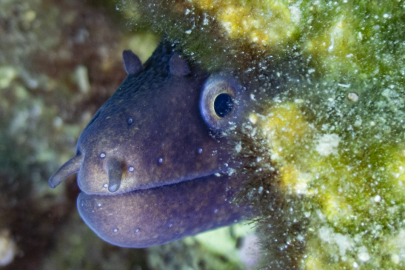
x=70 y=167
x=114 y=171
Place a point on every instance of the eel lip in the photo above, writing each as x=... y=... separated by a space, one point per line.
x=72 y=166
x=150 y=217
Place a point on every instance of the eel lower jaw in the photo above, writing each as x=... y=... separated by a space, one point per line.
x=150 y=217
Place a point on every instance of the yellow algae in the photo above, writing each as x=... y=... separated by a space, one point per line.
x=286 y=129
x=267 y=23
x=397 y=168
x=337 y=152
x=352 y=200
x=347 y=41
x=335 y=45
x=314 y=264
x=336 y=207
x=292 y=180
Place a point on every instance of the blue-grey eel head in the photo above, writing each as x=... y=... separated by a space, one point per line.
x=162 y=126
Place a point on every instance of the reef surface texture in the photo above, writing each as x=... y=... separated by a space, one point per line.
x=332 y=140
x=334 y=134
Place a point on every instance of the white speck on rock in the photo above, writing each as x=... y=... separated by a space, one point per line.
x=275 y=156
x=205 y=21
x=342 y=241
x=231 y=171
x=295 y=13
x=395 y=258
x=357 y=123
x=328 y=144
x=238 y=147
x=353 y=97
x=363 y=254
x=345 y=85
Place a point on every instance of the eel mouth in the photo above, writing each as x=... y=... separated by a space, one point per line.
x=155 y=216
x=114 y=170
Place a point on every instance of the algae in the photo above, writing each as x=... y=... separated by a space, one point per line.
x=328 y=141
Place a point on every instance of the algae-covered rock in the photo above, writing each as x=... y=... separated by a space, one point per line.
x=331 y=138
x=326 y=150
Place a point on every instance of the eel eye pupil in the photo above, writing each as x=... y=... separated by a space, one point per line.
x=223 y=105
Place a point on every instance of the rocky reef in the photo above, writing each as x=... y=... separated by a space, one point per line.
x=326 y=149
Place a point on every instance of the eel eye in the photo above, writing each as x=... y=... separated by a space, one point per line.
x=223 y=105
x=219 y=101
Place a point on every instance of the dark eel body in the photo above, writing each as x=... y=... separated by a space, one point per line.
x=150 y=164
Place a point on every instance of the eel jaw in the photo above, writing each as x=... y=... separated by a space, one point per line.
x=155 y=216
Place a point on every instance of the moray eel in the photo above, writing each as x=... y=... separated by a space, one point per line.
x=152 y=164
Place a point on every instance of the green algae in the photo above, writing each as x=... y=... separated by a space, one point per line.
x=340 y=166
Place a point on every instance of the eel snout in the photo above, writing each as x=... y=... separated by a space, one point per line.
x=72 y=166
x=114 y=172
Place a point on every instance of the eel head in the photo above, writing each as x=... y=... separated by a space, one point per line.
x=159 y=131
